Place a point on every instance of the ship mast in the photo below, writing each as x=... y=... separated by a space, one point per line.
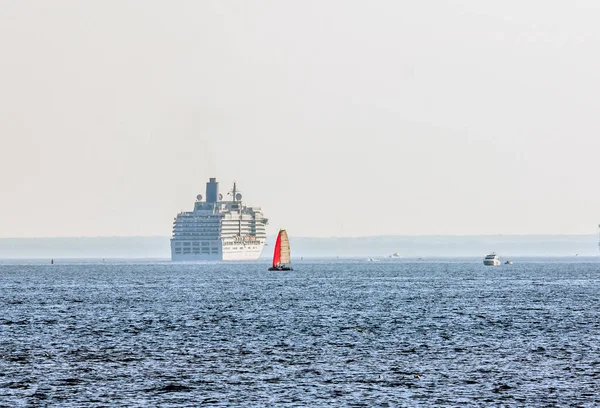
x=235 y=194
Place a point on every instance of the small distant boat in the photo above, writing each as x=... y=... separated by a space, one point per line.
x=281 y=254
x=492 y=260
x=508 y=263
x=372 y=260
x=52 y=262
x=395 y=255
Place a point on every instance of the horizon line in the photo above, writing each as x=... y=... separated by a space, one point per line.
x=322 y=237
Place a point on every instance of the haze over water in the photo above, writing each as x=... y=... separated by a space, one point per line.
x=329 y=333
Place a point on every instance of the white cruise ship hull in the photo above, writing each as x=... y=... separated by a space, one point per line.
x=226 y=253
x=242 y=254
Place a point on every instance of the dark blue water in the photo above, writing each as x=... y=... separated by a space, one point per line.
x=343 y=334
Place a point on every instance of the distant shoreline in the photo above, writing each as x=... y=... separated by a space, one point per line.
x=297 y=261
x=323 y=237
x=407 y=246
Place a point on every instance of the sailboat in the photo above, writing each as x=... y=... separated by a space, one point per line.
x=281 y=254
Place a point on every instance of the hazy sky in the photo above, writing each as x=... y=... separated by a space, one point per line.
x=337 y=117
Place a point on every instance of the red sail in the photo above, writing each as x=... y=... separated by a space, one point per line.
x=277 y=252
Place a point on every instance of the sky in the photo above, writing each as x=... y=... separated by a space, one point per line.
x=338 y=118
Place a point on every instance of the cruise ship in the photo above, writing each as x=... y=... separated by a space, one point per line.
x=218 y=229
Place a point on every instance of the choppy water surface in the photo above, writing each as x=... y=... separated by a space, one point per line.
x=344 y=333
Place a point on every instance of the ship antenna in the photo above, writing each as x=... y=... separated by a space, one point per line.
x=233 y=192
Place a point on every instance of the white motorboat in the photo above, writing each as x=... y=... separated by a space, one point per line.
x=492 y=260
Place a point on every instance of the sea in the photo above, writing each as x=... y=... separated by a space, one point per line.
x=405 y=332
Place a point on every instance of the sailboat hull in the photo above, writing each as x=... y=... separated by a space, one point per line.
x=280 y=268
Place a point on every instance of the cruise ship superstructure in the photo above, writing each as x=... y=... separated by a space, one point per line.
x=219 y=230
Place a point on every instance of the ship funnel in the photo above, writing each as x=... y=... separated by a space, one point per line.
x=212 y=190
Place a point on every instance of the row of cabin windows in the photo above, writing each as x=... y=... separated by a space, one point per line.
x=195 y=244
x=203 y=243
x=196 y=221
x=187 y=228
x=196 y=251
x=196 y=236
x=185 y=235
x=197 y=217
x=193 y=228
x=200 y=224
